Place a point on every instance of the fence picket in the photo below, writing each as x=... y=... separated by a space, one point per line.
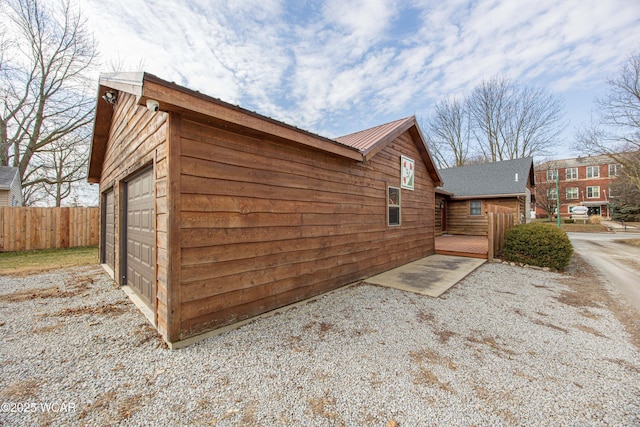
x=25 y=228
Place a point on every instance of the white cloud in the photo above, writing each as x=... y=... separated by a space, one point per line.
x=337 y=66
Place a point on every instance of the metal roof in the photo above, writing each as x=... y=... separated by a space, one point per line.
x=365 y=140
x=506 y=178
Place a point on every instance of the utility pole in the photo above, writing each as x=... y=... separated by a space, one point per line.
x=558 y=197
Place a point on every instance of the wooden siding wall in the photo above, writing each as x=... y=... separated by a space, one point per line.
x=516 y=204
x=27 y=228
x=460 y=222
x=137 y=139
x=264 y=224
x=438 y=215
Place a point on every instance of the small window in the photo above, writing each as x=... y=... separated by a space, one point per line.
x=610 y=192
x=551 y=194
x=593 y=192
x=475 y=207
x=572 y=173
x=393 y=206
x=593 y=171
x=572 y=193
x=552 y=174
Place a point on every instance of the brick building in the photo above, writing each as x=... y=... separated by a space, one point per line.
x=583 y=181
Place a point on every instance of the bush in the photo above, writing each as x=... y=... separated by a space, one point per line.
x=595 y=219
x=538 y=244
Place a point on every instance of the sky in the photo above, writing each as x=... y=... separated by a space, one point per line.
x=338 y=66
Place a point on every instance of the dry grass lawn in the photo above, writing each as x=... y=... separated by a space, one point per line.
x=632 y=242
x=31 y=262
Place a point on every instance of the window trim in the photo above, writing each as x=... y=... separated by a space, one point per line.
x=592 y=169
x=592 y=196
x=394 y=206
x=553 y=173
x=577 y=193
x=573 y=176
x=471 y=208
x=552 y=194
x=615 y=166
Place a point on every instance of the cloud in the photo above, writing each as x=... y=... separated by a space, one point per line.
x=338 y=66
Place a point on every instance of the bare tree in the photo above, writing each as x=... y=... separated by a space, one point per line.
x=57 y=167
x=547 y=192
x=511 y=122
x=615 y=130
x=448 y=133
x=44 y=95
x=499 y=120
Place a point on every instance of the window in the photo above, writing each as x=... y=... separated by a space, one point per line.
x=593 y=171
x=593 y=192
x=572 y=173
x=394 y=206
x=572 y=193
x=614 y=170
x=552 y=174
x=475 y=207
x=551 y=194
x=610 y=192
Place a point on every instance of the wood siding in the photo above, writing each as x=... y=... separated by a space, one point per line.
x=28 y=228
x=266 y=223
x=460 y=222
x=137 y=139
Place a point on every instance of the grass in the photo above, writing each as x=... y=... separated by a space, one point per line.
x=29 y=262
x=576 y=227
x=630 y=242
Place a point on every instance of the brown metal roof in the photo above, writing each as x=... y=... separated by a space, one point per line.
x=365 y=140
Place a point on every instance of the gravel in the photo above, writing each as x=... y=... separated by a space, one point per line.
x=500 y=348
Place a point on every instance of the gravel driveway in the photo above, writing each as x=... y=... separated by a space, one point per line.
x=506 y=346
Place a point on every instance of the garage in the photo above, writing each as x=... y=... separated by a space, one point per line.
x=139 y=259
x=222 y=214
x=108 y=230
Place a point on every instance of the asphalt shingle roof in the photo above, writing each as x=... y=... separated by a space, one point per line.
x=7 y=174
x=488 y=179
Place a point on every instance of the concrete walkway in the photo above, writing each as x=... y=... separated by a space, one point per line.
x=431 y=276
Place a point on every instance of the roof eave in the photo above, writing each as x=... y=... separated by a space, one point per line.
x=487 y=196
x=173 y=97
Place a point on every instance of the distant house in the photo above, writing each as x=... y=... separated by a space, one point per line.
x=468 y=191
x=583 y=181
x=212 y=214
x=10 y=186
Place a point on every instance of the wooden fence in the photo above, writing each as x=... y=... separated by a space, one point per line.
x=500 y=219
x=26 y=228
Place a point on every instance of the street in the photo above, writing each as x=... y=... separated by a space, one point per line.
x=617 y=263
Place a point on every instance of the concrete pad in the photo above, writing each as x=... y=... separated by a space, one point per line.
x=431 y=276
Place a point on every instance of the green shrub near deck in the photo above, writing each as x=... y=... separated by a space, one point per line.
x=538 y=244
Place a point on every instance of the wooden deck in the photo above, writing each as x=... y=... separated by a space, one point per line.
x=466 y=246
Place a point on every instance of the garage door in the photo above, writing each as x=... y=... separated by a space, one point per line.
x=108 y=245
x=139 y=235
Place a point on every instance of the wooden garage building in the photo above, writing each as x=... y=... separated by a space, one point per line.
x=213 y=214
